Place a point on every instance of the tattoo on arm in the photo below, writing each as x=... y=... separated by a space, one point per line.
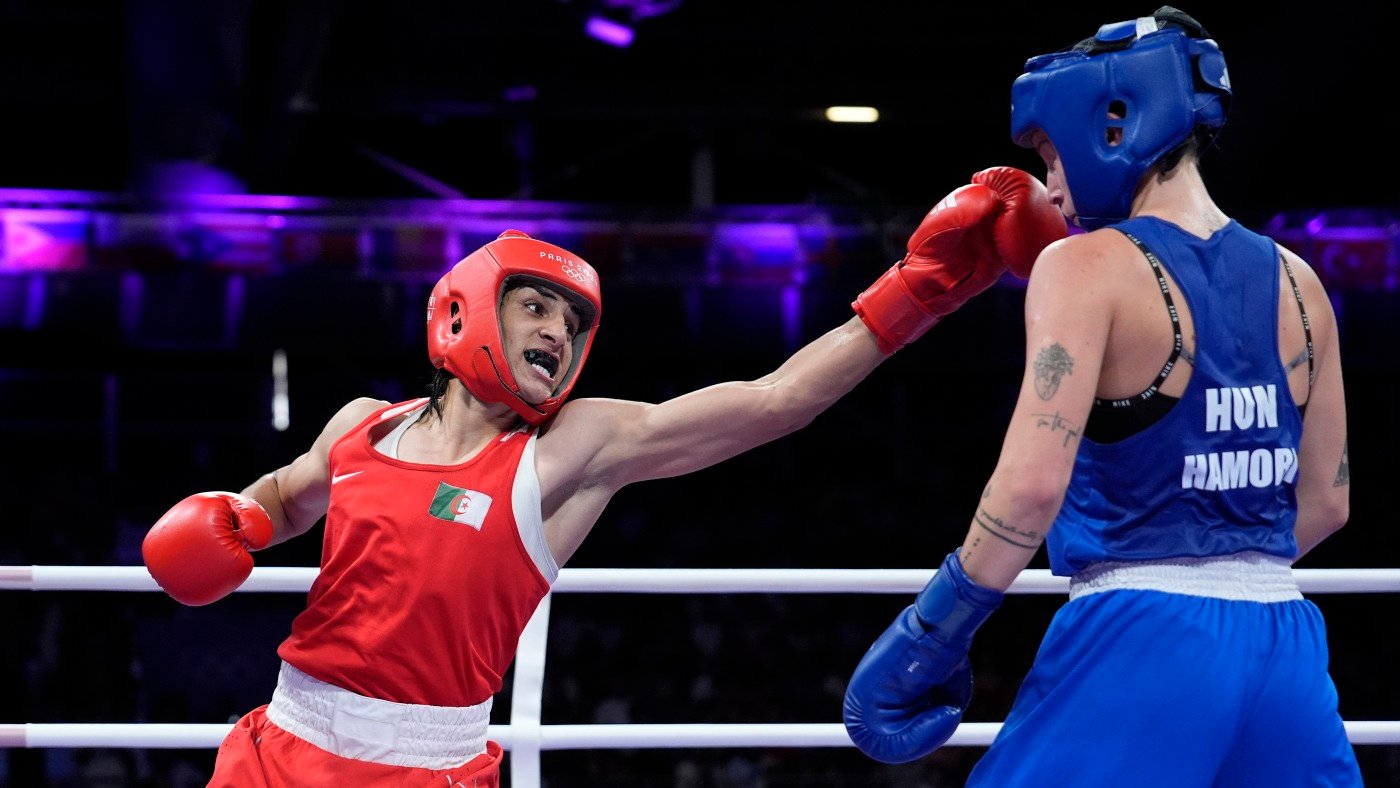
x=987 y=491
x=1054 y=421
x=967 y=551
x=1051 y=364
x=1343 y=470
x=1006 y=532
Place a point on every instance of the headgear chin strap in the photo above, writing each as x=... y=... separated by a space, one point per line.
x=464 y=325
x=1115 y=104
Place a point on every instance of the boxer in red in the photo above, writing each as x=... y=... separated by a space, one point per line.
x=447 y=518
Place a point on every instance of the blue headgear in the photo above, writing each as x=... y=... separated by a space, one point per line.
x=1162 y=76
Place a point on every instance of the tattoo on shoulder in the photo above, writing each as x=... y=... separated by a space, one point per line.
x=1343 y=470
x=1051 y=364
x=1007 y=532
x=1054 y=421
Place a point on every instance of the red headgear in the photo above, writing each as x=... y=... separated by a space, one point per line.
x=464 y=327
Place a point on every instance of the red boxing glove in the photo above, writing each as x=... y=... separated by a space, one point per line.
x=199 y=550
x=1028 y=221
x=951 y=259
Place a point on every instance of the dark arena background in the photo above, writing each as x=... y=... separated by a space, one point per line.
x=221 y=221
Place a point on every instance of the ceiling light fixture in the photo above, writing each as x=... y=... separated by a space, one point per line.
x=852 y=114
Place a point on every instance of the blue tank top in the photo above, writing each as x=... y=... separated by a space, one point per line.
x=1217 y=474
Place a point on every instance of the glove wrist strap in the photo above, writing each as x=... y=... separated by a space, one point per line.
x=892 y=313
x=952 y=606
x=252 y=524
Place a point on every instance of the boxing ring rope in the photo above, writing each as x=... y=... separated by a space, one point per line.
x=663 y=581
x=526 y=736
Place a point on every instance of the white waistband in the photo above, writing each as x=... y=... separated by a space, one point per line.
x=368 y=729
x=1249 y=576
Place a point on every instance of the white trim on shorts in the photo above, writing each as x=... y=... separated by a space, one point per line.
x=380 y=731
x=1249 y=576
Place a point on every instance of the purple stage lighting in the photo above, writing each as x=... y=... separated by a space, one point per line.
x=609 y=32
x=521 y=93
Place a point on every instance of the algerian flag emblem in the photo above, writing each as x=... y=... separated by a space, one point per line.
x=457 y=505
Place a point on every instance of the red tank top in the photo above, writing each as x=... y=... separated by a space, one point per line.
x=425 y=584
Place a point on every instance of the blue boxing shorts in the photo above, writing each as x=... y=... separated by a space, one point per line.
x=1187 y=672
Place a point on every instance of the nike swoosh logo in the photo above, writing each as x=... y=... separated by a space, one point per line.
x=342 y=477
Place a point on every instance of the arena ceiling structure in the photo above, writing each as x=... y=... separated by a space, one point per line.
x=638 y=102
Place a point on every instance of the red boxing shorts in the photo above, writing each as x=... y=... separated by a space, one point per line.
x=258 y=754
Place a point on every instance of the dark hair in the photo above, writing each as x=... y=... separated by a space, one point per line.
x=437 y=389
x=1168 y=18
x=1200 y=140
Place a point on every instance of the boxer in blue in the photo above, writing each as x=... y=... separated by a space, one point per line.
x=1179 y=441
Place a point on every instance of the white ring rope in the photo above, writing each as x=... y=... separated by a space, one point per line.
x=550 y=737
x=526 y=736
x=664 y=581
x=557 y=737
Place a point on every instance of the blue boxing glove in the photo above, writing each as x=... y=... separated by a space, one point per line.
x=908 y=693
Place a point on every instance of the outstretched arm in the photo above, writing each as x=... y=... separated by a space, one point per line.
x=960 y=249
x=701 y=428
